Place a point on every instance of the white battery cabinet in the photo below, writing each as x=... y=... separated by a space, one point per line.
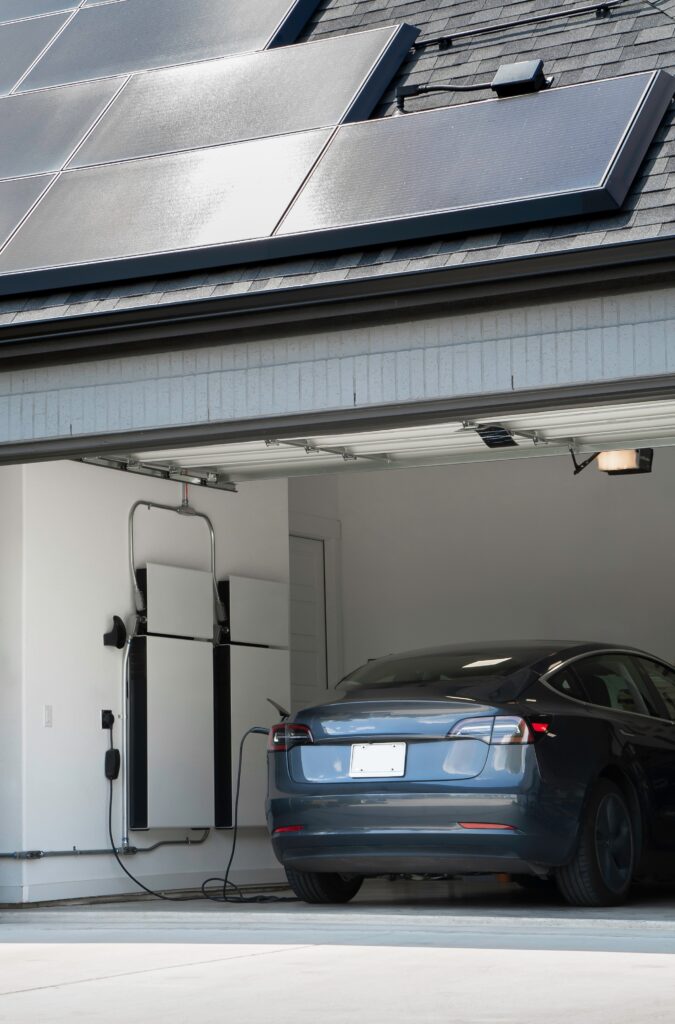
x=180 y=733
x=190 y=700
x=179 y=601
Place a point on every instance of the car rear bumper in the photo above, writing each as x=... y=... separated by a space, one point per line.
x=421 y=852
x=395 y=832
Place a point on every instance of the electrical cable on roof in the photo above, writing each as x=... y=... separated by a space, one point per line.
x=601 y=10
x=404 y=92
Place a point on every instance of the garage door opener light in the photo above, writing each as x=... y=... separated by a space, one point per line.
x=623 y=462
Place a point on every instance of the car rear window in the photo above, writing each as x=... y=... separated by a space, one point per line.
x=437 y=667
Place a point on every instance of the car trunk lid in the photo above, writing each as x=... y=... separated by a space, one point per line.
x=423 y=725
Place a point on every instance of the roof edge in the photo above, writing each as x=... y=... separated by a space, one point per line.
x=143 y=327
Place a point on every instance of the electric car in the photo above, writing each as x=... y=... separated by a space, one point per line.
x=552 y=762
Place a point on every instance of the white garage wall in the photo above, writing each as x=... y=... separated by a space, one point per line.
x=76 y=576
x=11 y=668
x=504 y=549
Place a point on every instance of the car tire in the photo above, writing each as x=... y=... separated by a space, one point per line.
x=601 y=870
x=323 y=887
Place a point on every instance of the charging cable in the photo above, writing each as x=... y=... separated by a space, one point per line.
x=112 y=758
x=227 y=891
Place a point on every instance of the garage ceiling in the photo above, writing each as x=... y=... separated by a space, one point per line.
x=585 y=429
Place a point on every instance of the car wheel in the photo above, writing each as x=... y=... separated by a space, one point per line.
x=601 y=870
x=323 y=887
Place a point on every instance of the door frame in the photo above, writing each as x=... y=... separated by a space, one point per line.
x=330 y=532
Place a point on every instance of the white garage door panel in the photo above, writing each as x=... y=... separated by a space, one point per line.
x=256 y=674
x=180 y=733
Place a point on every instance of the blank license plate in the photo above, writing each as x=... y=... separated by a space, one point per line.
x=377 y=760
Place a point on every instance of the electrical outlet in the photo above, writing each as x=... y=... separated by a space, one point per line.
x=107 y=719
x=48 y=716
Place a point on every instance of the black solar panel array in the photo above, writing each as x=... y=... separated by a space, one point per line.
x=148 y=136
x=40 y=47
x=134 y=35
x=562 y=152
x=203 y=193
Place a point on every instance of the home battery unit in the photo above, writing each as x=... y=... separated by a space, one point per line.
x=190 y=699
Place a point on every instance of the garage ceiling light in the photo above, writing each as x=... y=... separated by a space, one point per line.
x=623 y=463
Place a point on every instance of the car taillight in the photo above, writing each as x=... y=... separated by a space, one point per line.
x=511 y=730
x=499 y=730
x=288 y=734
x=473 y=729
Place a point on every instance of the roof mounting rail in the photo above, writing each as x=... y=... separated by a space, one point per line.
x=601 y=10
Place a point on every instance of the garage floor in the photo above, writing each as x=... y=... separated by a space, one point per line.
x=403 y=952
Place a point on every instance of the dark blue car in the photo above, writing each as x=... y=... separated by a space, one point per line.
x=553 y=762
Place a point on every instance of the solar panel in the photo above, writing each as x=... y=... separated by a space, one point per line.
x=567 y=152
x=40 y=130
x=20 y=43
x=563 y=152
x=251 y=96
x=11 y=9
x=164 y=205
x=16 y=198
x=133 y=35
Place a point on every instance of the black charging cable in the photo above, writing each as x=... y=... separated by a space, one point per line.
x=113 y=758
x=227 y=891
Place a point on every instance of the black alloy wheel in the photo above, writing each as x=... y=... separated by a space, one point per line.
x=601 y=870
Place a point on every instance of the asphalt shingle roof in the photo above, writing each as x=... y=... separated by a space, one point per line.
x=638 y=36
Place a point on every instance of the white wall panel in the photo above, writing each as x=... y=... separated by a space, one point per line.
x=544 y=345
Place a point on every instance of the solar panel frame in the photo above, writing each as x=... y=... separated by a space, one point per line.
x=247 y=96
x=128 y=36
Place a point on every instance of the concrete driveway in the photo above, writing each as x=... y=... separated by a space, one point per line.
x=402 y=952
